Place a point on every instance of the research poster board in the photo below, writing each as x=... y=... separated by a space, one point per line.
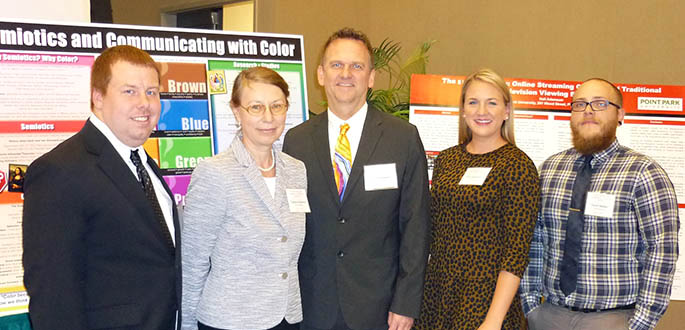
x=654 y=125
x=45 y=98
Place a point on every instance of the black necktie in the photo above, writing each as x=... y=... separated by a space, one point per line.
x=150 y=194
x=574 y=228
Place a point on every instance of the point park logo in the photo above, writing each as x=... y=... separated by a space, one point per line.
x=660 y=103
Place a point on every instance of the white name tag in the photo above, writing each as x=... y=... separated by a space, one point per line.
x=380 y=177
x=600 y=204
x=475 y=176
x=297 y=200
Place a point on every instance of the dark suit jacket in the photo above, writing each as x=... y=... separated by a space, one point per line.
x=366 y=255
x=94 y=255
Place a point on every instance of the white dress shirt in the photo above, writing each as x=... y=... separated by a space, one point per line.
x=271 y=184
x=354 y=134
x=125 y=152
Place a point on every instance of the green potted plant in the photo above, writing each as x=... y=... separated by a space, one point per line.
x=395 y=98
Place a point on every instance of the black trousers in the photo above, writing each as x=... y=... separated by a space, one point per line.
x=340 y=324
x=284 y=325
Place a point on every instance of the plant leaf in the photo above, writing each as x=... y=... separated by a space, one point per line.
x=416 y=63
x=385 y=54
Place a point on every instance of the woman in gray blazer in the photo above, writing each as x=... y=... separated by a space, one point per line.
x=244 y=220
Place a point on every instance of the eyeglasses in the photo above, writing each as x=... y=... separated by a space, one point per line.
x=258 y=109
x=595 y=105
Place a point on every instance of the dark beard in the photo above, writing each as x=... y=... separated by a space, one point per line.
x=595 y=144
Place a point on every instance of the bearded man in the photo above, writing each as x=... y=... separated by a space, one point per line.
x=606 y=241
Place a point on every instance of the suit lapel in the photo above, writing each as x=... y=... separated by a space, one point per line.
x=111 y=164
x=124 y=180
x=371 y=134
x=254 y=177
x=256 y=182
x=322 y=152
x=114 y=167
x=283 y=177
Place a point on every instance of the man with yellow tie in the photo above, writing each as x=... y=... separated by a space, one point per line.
x=365 y=250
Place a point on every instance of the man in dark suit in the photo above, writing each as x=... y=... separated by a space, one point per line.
x=100 y=229
x=366 y=244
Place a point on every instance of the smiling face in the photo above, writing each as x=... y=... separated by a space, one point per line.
x=346 y=74
x=130 y=106
x=262 y=130
x=594 y=131
x=485 y=112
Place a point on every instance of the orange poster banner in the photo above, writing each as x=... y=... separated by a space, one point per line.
x=539 y=94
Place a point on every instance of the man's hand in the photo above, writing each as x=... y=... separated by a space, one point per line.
x=399 y=322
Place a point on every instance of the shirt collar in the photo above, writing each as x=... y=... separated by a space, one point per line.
x=604 y=155
x=357 y=120
x=122 y=149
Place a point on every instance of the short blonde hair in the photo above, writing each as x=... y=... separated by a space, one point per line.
x=490 y=77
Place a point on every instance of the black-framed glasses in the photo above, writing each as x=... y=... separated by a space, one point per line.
x=595 y=105
x=258 y=109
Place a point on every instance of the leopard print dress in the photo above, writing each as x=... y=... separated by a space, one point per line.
x=478 y=231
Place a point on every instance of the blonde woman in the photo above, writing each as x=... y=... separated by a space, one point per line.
x=484 y=205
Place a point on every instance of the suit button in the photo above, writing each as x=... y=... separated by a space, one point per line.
x=342 y=220
x=284 y=276
x=284 y=239
x=341 y=254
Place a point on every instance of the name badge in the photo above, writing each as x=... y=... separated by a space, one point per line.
x=600 y=204
x=380 y=177
x=297 y=200
x=475 y=176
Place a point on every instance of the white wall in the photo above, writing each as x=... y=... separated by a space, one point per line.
x=53 y=10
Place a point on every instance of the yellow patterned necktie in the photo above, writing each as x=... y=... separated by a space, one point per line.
x=342 y=160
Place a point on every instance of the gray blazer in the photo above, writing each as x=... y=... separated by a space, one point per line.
x=240 y=245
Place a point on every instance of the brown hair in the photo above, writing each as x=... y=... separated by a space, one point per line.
x=101 y=72
x=490 y=77
x=257 y=74
x=351 y=34
x=617 y=92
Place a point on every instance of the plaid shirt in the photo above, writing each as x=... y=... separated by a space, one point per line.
x=628 y=258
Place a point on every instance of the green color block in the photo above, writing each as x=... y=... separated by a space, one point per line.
x=183 y=152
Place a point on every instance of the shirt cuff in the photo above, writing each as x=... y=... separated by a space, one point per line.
x=640 y=323
x=529 y=303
